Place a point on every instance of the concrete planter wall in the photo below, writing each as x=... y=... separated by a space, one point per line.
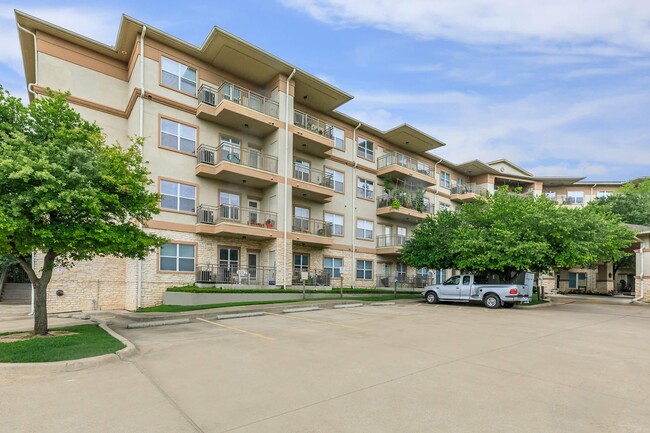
x=181 y=298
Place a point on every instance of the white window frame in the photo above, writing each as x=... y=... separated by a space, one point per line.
x=178 y=73
x=338 y=179
x=177 y=256
x=576 y=197
x=365 y=228
x=365 y=268
x=337 y=229
x=177 y=195
x=339 y=138
x=600 y=194
x=445 y=179
x=366 y=149
x=181 y=132
x=335 y=271
x=444 y=207
x=365 y=189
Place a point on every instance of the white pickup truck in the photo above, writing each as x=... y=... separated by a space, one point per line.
x=482 y=288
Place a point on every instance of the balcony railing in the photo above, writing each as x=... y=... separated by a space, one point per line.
x=565 y=200
x=235 y=274
x=386 y=241
x=314 y=277
x=467 y=189
x=312 y=226
x=312 y=175
x=410 y=282
x=231 y=92
x=313 y=124
x=402 y=160
x=384 y=201
x=237 y=214
x=235 y=154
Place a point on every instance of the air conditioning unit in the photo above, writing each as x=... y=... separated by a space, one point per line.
x=206 y=156
x=209 y=97
x=206 y=216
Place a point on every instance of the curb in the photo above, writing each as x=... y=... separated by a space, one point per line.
x=300 y=309
x=40 y=368
x=136 y=325
x=348 y=305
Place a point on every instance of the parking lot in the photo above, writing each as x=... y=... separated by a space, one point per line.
x=409 y=367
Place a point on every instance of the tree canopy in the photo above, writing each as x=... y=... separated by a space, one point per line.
x=631 y=202
x=66 y=192
x=506 y=233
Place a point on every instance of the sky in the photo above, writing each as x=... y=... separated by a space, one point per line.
x=561 y=88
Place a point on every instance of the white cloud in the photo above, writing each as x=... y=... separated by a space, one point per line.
x=96 y=23
x=609 y=25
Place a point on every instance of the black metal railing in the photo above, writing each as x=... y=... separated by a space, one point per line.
x=405 y=282
x=312 y=226
x=235 y=154
x=467 y=189
x=396 y=158
x=385 y=241
x=236 y=214
x=313 y=124
x=396 y=201
x=235 y=274
x=231 y=92
x=312 y=175
x=311 y=277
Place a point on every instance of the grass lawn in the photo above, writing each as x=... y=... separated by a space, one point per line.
x=90 y=340
x=178 y=308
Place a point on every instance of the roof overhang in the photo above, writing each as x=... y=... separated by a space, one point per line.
x=475 y=168
x=220 y=48
x=558 y=181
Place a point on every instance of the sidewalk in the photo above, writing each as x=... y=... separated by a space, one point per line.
x=592 y=299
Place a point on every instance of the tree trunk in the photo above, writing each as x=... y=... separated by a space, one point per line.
x=40 y=308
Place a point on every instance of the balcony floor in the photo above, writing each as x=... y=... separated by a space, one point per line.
x=312 y=143
x=311 y=240
x=237 y=230
x=464 y=198
x=402 y=214
x=311 y=191
x=406 y=174
x=237 y=117
x=237 y=174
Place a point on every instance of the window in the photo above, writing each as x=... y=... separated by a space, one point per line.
x=177 y=196
x=177 y=258
x=422 y=272
x=577 y=280
x=401 y=235
x=177 y=136
x=364 y=269
x=366 y=149
x=339 y=138
x=338 y=178
x=337 y=223
x=301 y=170
x=178 y=76
x=445 y=179
x=230 y=150
x=228 y=258
x=364 y=229
x=365 y=189
x=576 y=197
x=441 y=276
x=229 y=204
x=444 y=207
x=301 y=262
x=333 y=265
x=550 y=195
x=300 y=219
x=401 y=271
x=603 y=194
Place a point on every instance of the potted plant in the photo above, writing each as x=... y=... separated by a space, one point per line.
x=395 y=204
x=419 y=201
x=269 y=223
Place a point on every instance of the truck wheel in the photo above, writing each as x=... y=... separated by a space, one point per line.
x=508 y=304
x=492 y=301
x=431 y=298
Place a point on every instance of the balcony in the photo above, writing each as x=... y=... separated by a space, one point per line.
x=312 y=135
x=464 y=193
x=401 y=207
x=312 y=184
x=311 y=277
x=239 y=109
x=312 y=232
x=406 y=168
x=405 y=283
x=230 y=163
x=236 y=221
x=390 y=244
x=235 y=275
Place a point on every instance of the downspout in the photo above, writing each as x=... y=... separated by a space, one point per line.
x=30 y=86
x=354 y=203
x=286 y=178
x=641 y=275
x=591 y=192
x=30 y=89
x=435 y=196
x=144 y=30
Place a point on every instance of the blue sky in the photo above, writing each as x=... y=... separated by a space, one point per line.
x=560 y=88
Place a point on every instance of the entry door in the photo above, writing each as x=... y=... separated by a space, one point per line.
x=231 y=150
x=229 y=204
x=401 y=236
x=228 y=265
x=253 y=215
x=253 y=260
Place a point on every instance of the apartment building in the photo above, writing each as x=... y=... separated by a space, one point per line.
x=263 y=182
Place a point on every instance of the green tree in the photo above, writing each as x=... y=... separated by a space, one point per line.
x=66 y=193
x=507 y=233
x=632 y=204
